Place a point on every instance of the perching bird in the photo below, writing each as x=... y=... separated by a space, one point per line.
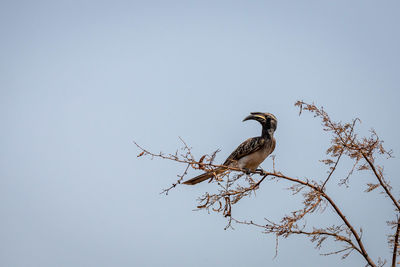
x=252 y=152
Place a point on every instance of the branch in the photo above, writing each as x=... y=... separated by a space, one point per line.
x=332 y=170
x=335 y=235
x=381 y=181
x=362 y=250
x=396 y=243
x=353 y=231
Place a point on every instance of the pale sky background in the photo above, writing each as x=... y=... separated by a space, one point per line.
x=80 y=80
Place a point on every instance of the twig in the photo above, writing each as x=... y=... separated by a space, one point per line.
x=332 y=170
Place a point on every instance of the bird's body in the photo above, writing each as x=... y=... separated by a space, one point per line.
x=249 y=154
x=253 y=160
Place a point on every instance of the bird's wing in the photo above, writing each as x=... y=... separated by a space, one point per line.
x=249 y=146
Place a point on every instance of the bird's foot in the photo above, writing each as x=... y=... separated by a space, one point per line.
x=260 y=170
x=246 y=171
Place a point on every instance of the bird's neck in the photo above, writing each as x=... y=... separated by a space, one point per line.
x=266 y=134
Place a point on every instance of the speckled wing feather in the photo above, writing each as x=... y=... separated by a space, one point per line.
x=249 y=146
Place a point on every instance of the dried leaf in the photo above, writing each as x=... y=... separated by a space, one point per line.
x=371 y=187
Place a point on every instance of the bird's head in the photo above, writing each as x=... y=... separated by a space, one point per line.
x=267 y=120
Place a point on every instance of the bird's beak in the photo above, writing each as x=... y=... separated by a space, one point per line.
x=256 y=117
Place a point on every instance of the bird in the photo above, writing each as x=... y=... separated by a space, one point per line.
x=249 y=154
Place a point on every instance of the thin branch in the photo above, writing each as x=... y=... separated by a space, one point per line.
x=381 y=181
x=166 y=191
x=253 y=187
x=396 y=243
x=336 y=236
x=332 y=170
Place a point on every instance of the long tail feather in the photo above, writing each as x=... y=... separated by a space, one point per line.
x=203 y=177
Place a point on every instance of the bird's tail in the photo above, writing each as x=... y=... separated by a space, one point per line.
x=204 y=176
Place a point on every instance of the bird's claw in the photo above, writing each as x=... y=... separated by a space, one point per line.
x=246 y=171
x=260 y=170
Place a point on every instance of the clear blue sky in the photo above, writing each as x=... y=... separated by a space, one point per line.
x=80 y=80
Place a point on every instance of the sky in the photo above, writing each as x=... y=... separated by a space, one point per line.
x=81 y=80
